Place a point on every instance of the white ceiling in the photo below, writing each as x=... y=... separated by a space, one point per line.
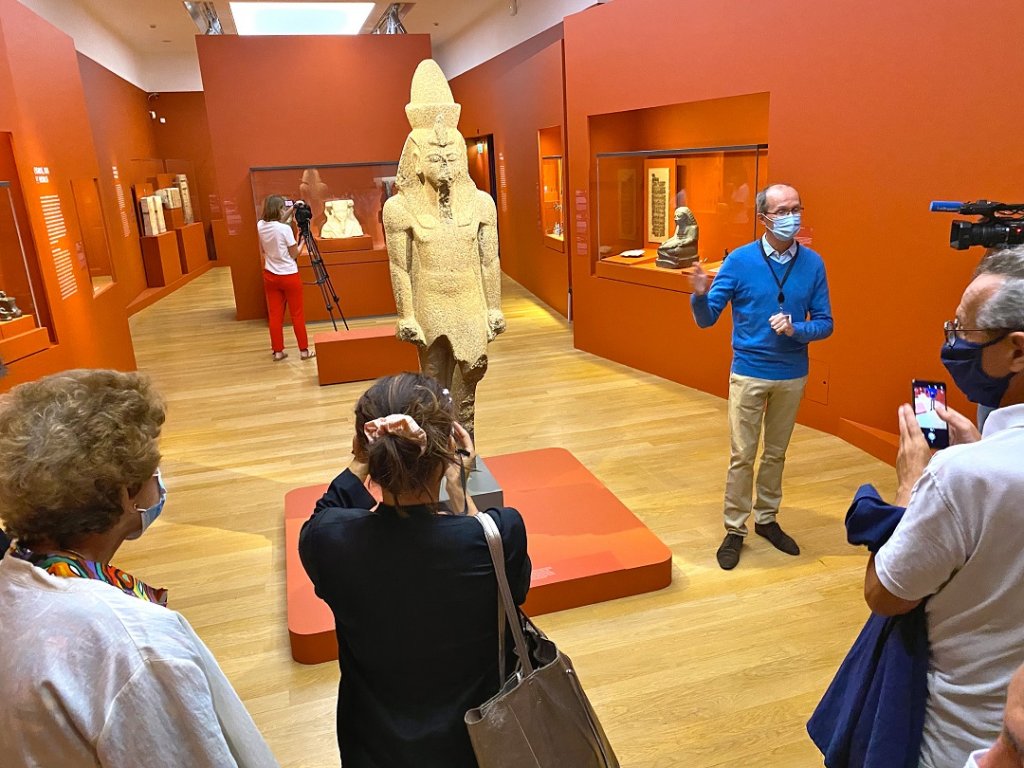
x=151 y=43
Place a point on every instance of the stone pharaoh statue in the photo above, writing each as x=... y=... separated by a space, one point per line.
x=443 y=247
x=680 y=250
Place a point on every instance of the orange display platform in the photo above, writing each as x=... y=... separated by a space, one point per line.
x=341 y=244
x=192 y=246
x=586 y=547
x=175 y=218
x=17 y=326
x=361 y=354
x=15 y=347
x=160 y=259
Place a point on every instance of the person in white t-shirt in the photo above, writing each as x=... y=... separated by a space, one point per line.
x=95 y=670
x=281 y=281
x=960 y=544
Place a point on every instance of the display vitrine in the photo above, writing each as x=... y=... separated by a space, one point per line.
x=346 y=199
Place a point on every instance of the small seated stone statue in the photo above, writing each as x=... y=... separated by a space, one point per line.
x=680 y=250
x=341 y=220
x=8 y=309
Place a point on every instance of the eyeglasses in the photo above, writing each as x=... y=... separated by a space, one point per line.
x=954 y=331
x=785 y=211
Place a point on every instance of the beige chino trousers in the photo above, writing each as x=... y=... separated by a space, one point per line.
x=753 y=404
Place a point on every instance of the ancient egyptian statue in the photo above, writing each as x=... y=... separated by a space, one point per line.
x=680 y=250
x=8 y=309
x=341 y=220
x=443 y=247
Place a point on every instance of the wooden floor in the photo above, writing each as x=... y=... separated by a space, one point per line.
x=720 y=669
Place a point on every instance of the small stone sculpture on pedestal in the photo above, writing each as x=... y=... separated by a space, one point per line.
x=680 y=250
x=443 y=247
x=8 y=309
x=341 y=220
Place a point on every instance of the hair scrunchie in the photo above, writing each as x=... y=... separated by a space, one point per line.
x=399 y=425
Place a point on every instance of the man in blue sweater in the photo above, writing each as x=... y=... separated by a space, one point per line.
x=780 y=304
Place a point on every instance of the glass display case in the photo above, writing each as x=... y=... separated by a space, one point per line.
x=552 y=186
x=337 y=224
x=92 y=226
x=640 y=193
x=22 y=296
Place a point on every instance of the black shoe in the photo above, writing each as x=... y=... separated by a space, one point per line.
x=778 y=537
x=729 y=553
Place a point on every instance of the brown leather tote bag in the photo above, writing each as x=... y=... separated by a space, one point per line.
x=541 y=717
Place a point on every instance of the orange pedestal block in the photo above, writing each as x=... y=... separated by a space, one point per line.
x=174 y=218
x=16 y=327
x=15 y=347
x=160 y=258
x=361 y=354
x=192 y=246
x=586 y=547
x=341 y=244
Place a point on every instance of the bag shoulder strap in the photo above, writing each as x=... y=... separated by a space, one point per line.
x=497 y=551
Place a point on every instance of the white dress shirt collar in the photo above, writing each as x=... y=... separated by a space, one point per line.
x=771 y=253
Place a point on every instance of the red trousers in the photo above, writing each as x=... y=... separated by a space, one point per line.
x=281 y=290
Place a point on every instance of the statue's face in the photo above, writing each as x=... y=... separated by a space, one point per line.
x=437 y=163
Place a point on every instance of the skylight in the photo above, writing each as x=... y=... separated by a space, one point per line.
x=300 y=18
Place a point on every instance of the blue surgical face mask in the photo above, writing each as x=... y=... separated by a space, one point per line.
x=151 y=514
x=785 y=227
x=963 y=361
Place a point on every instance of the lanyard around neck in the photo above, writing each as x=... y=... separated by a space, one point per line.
x=781 y=283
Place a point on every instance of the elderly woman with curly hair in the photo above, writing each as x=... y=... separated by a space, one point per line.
x=95 y=670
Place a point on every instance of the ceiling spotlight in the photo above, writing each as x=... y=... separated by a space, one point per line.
x=152 y=115
x=163 y=119
x=390 y=22
x=204 y=14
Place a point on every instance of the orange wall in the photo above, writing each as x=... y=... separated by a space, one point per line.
x=297 y=101
x=513 y=96
x=44 y=109
x=122 y=131
x=875 y=109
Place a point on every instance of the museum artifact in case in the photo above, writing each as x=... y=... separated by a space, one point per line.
x=552 y=186
x=17 y=288
x=346 y=200
x=649 y=204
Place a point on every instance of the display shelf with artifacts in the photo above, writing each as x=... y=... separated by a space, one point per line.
x=21 y=332
x=346 y=201
x=552 y=186
x=660 y=212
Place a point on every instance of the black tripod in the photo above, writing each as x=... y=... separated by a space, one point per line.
x=323 y=280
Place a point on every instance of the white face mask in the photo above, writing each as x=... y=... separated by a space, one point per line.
x=785 y=227
x=151 y=514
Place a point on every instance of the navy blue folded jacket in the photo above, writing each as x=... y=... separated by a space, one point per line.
x=872 y=715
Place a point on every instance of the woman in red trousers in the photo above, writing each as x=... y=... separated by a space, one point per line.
x=281 y=276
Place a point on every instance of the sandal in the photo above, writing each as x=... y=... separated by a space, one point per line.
x=279 y=356
x=307 y=354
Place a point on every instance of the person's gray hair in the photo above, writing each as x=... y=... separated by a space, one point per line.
x=1005 y=308
x=1002 y=260
x=761 y=199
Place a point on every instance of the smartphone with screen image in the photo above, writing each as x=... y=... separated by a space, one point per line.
x=925 y=395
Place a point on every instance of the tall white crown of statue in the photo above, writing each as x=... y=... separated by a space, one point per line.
x=431 y=98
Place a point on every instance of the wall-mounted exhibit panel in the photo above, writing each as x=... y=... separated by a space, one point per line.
x=345 y=202
x=661 y=211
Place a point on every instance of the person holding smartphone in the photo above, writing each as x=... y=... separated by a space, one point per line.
x=960 y=543
x=410 y=583
x=281 y=281
x=780 y=304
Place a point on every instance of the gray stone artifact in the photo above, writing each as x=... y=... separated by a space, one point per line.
x=8 y=309
x=680 y=250
x=442 y=242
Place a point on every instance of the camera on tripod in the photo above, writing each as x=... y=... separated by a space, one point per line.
x=303 y=214
x=1000 y=224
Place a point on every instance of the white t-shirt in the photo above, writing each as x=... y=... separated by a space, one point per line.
x=275 y=239
x=962 y=542
x=90 y=676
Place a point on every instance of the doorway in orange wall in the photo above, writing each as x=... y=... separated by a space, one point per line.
x=480 y=153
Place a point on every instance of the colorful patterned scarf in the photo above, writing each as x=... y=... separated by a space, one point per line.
x=70 y=566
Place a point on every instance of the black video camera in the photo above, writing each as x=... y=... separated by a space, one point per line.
x=303 y=214
x=1001 y=223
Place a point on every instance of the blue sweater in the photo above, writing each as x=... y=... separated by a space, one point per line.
x=744 y=280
